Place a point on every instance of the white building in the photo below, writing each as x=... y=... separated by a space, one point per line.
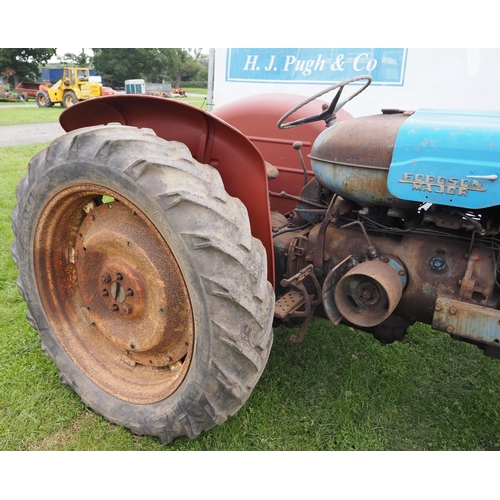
x=402 y=78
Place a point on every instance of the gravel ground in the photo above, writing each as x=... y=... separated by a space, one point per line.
x=15 y=135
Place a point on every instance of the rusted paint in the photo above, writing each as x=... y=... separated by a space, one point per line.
x=113 y=294
x=353 y=157
x=417 y=256
x=368 y=293
x=470 y=321
x=331 y=281
x=132 y=287
x=362 y=142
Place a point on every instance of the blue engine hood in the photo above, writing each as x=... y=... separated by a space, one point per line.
x=448 y=158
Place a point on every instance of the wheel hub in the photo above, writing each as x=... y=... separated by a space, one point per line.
x=114 y=294
x=367 y=293
x=128 y=286
x=121 y=290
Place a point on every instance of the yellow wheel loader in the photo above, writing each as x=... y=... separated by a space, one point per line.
x=74 y=86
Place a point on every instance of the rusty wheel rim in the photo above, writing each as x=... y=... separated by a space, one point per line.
x=113 y=293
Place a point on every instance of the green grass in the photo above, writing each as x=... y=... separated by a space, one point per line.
x=20 y=113
x=337 y=390
x=190 y=90
x=195 y=97
x=24 y=114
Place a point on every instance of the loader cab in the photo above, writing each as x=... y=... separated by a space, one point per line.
x=82 y=75
x=75 y=76
x=68 y=78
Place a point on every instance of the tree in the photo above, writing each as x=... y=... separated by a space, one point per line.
x=118 y=65
x=152 y=64
x=197 y=68
x=178 y=60
x=23 y=64
x=81 y=59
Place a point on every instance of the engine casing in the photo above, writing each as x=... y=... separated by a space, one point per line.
x=403 y=223
x=402 y=158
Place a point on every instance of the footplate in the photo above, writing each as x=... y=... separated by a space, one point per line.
x=288 y=304
x=292 y=301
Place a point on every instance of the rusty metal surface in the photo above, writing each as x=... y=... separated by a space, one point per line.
x=113 y=294
x=432 y=265
x=363 y=185
x=352 y=159
x=465 y=320
x=368 y=293
x=288 y=304
x=132 y=287
x=310 y=300
x=366 y=141
x=328 y=289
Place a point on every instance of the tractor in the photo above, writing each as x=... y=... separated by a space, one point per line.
x=158 y=244
x=73 y=87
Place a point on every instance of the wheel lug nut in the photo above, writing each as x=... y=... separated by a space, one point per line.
x=115 y=307
x=130 y=292
x=106 y=278
x=119 y=276
x=105 y=293
x=127 y=309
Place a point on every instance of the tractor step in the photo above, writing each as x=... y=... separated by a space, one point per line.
x=288 y=304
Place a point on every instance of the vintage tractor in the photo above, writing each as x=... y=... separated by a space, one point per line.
x=157 y=244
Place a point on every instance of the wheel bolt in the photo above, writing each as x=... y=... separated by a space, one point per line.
x=127 y=309
x=119 y=276
x=105 y=293
x=115 y=307
x=130 y=292
x=106 y=278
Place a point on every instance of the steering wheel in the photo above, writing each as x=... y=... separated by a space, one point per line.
x=329 y=113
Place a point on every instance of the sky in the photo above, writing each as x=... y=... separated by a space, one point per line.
x=61 y=52
x=266 y=24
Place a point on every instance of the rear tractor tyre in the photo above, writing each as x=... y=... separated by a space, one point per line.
x=143 y=280
x=43 y=100
x=69 y=98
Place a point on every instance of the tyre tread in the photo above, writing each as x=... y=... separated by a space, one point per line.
x=230 y=262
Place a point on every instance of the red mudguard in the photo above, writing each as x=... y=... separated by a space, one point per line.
x=209 y=139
